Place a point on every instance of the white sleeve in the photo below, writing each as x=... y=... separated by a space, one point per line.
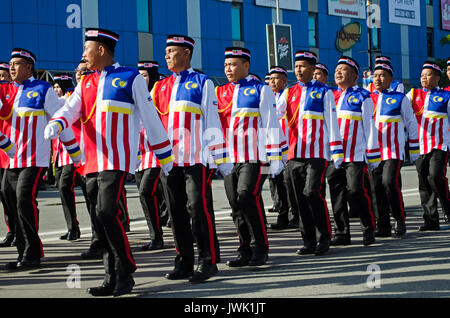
x=370 y=130
x=409 y=118
x=274 y=135
x=331 y=122
x=51 y=106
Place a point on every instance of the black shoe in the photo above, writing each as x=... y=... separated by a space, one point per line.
x=273 y=209
x=203 y=272
x=368 y=238
x=179 y=273
x=400 y=228
x=73 y=235
x=239 y=261
x=92 y=254
x=341 y=240
x=24 y=264
x=293 y=225
x=306 y=250
x=8 y=240
x=123 y=286
x=10 y=266
x=383 y=232
x=279 y=226
x=103 y=290
x=64 y=237
x=153 y=245
x=322 y=248
x=429 y=227
x=258 y=260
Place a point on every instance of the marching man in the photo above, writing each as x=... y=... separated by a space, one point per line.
x=393 y=113
x=25 y=109
x=254 y=138
x=110 y=103
x=431 y=107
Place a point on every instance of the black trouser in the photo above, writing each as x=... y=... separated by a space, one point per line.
x=10 y=219
x=280 y=197
x=387 y=193
x=293 y=207
x=186 y=193
x=336 y=179
x=66 y=180
x=147 y=183
x=350 y=183
x=433 y=184
x=123 y=206
x=21 y=186
x=243 y=188
x=307 y=176
x=104 y=190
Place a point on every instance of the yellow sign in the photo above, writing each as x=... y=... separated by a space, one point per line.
x=348 y=36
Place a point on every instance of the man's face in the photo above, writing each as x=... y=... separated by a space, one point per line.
x=80 y=70
x=4 y=76
x=320 y=76
x=144 y=74
x=236 y=68
x=277 y=82
x=448 y=72
x=429 y=79
x=345 y=75
x=58 y=90
x=382 y=80
x=304 y=71
x=92 y=54
x=20 y=69
x=177 y=58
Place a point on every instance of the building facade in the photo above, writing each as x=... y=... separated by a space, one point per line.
x=53 y=29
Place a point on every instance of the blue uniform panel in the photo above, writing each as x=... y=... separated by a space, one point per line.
x=119 y=84
x=392 y=103
x=438 y=101
x=249 y=94
x=33 y=94
x=192 y=87
x=315 y=94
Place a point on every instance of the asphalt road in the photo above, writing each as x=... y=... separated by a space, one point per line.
x=416 y=265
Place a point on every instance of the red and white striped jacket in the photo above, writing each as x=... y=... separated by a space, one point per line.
x=356 y=123
x=110 y=105
x=27 y=111
x=283 y=123
x=393 y=113
x=432 y=110
x=188 y=109
x=313 y=127
x=250 y=123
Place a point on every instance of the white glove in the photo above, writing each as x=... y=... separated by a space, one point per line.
x=276 y=166
x=338 y=162
x=167 y=167
x=413 y=157
x=51 y=131
x=11 y=152
x=373 y=165
x=226 y=168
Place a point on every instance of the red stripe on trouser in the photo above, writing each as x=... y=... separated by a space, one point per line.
x=399 y=191
x=444 y=176
x=35 y=210
x=258 y=206
x=208 y=219
x=369 y=202
x=327 y=214
x=155 y=202
x=125 y=238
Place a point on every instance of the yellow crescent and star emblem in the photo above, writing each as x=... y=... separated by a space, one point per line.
x=249 y=91
x=190 y=85
x=391 y=101
x=438 y=99
x=117 y=82
x=352 y=100
x=32 y=94
x=315 y=95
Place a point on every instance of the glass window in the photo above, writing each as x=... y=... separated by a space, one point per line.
x=312 y=30
x=144 y=15
x=376 y=41
x=430 y=36
x=236 y=21
x=429 y=2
